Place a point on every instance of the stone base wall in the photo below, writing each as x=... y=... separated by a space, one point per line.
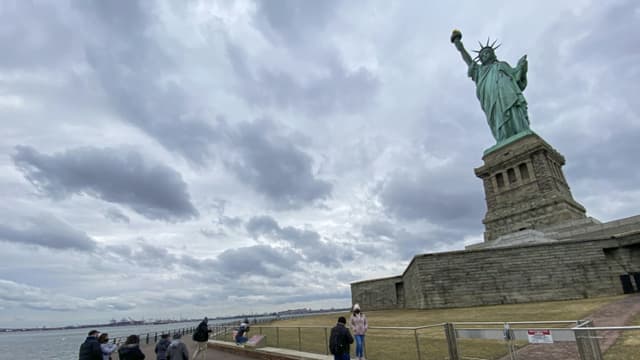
x=525 y=188
x=542 y=272
x=378 y=294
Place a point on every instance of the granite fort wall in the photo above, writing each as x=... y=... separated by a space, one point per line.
x=541 y=272
x=379 y=293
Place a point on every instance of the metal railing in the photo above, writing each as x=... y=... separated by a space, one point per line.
x=147 y=337
x=434 y=341
x=453 y=341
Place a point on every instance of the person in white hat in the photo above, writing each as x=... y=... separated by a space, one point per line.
x=359 y=327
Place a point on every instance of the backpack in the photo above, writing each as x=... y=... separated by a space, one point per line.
x=336 y=343
x=200 y=335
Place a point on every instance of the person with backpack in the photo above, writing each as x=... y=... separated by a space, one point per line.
x=340 y=340
x=161 y=347
x=201 y=337
x=359 y=327
x=177 y=349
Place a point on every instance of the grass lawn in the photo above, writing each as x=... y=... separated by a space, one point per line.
x=391 y=344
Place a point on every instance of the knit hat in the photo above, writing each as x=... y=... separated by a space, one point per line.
x=341 y=319
x=356 y=307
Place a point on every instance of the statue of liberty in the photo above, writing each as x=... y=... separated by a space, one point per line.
x=499 y=88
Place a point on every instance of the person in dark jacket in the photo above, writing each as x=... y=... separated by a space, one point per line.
x=340 y=340
x=161 y=347
x=177 y=350
x=131 y=349
x=201 y=337
x=90 y=348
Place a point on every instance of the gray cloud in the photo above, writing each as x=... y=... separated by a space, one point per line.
x=39 y=299
x=123 y=177
x=144 y=254
x=385 y=237
x=116 y=215
x=47 y=231
x=291 y=21
x=141 y=78
x=320 y=83
x=274 y=165
x=340 y=90
x=308 y=241
x=433 y=196
x=43 y=32
x=258 y=260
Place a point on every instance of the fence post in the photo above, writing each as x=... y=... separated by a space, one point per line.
x=587 y=343
x=415 y=334
x=299 y=340
x=452 y=342
x=147 y=338
x=326 y=344
x=277 y=337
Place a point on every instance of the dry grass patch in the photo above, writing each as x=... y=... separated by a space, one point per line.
x=627 y=347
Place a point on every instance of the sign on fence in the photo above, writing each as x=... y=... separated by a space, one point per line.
x=540 y=336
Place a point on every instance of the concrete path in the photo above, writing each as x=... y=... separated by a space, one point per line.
x=618 y=313
x=212 y=354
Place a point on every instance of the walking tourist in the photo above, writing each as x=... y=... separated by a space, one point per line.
x=106 y=347
x=161 y=347
x=177 y=349
x=359 y=327
x=90 y=348
x=339 y=340
x=201 y=337
x=131 y=349
x=240 y=337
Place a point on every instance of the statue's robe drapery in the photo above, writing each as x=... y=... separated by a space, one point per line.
x=499 y=89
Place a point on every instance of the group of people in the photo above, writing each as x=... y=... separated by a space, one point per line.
x=341 y=338
x=97 y=346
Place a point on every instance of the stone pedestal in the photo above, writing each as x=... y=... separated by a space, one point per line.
x=525 y=188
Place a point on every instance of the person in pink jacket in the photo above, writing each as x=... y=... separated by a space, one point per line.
x=359 y=327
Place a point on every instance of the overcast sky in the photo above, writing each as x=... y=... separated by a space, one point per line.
x=171 y=158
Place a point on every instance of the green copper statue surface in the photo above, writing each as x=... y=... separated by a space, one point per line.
x=499 y=88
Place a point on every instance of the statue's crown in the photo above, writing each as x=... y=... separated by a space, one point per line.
x=486 y=47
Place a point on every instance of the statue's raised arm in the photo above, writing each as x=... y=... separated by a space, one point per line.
x=456 y=39
x=498 y=87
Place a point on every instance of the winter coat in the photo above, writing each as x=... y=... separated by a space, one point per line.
x=130 y=352
x=243 y=329
x=161 y=349
x=90 y=349
x=340 y=339
x=177 y=351
x=107 y=349
x=202 y=332
x=359 y=324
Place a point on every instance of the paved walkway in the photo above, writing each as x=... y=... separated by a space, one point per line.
x=212 y=354
x=618 y=313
